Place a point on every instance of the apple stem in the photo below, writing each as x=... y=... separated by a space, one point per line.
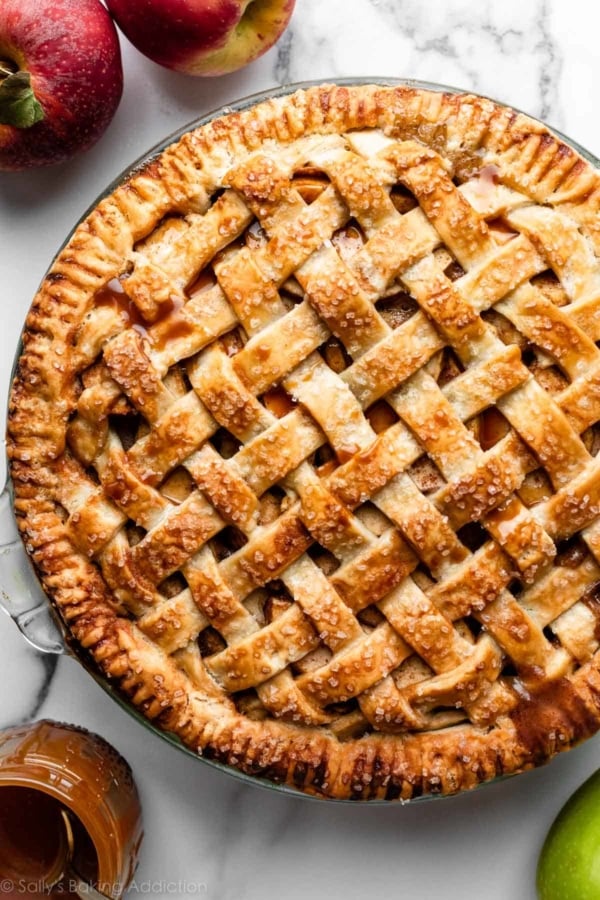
x=19 y=106
x=6 y=69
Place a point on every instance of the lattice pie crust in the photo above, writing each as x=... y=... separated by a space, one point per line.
x=303 y=441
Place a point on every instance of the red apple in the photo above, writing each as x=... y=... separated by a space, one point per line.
x=60 y=79
x=202 y=37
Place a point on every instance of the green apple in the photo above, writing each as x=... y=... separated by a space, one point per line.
x=569 y=864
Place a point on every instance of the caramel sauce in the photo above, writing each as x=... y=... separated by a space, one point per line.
x=85 y=858
x=171 y=324
x=502 y=517
x=492 y=428
x=327 y=468
x=114 y=297
x=549 y=717
x=346 y=452
x=279 y=402
x=32 y=840
x=177 y=328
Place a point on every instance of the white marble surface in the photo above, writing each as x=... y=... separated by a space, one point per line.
x=208 y=834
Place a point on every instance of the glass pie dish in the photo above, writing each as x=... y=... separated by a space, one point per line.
x=491 y=652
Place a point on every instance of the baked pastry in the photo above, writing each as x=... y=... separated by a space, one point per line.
x=303 y=440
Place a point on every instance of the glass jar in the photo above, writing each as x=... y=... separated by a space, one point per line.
x=48 y=771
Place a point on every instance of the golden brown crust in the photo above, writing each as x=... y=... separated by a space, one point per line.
x=431 y=678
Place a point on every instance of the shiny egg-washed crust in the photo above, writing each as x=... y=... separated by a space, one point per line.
x=425 y=138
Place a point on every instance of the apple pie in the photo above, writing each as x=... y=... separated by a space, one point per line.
x=303 y=440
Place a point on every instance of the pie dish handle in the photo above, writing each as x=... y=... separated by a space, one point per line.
x=21 y=596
